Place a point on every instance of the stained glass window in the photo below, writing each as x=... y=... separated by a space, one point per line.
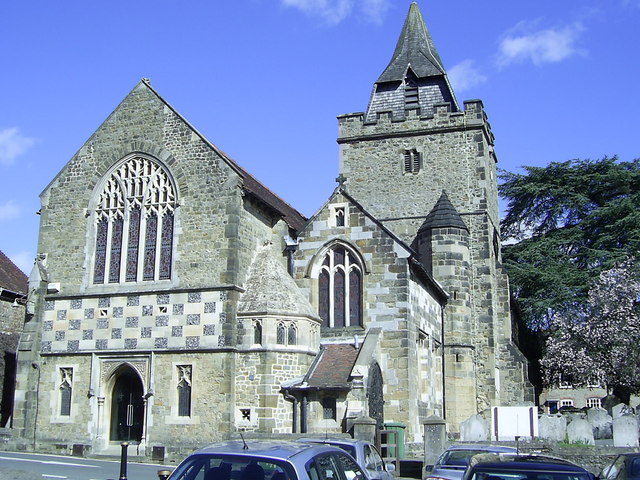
x=135 y=223
x=340 y=289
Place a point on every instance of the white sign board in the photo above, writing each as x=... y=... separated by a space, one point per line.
x=507 y=423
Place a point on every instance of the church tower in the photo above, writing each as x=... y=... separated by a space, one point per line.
x=396 y=159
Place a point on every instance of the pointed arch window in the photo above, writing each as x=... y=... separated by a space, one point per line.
x=257 y=332
x=134 y=221
x=340 y=289
x=184 y=390
x=66 y=390
x=281 y=335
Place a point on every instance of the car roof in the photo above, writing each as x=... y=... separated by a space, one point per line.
x=523 y=462
x=334 y=441
x=277 y=450
x=483 y=447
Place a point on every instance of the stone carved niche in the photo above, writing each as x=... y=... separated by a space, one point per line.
x=140 y=365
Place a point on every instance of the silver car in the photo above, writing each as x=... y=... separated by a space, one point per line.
x=454 y=461
x=268 y=460
x=364 y=452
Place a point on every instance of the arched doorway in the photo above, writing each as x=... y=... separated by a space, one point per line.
x=127 y=407
x=374 y=394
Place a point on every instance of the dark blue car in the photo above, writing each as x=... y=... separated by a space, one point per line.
x=524 y=467
x=625 y=466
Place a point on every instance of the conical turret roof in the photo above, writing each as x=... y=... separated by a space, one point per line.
x=443 y=215
x=271 y=290
x=415 y=49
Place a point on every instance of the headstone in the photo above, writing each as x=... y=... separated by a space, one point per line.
x=580 y=431
x=609 y=402
x=621 y=410
x=474 y=429
x=601 y=422
x=625 y=431
x=552 y=427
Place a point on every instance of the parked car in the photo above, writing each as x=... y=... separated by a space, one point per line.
x=365 y=453
x=268 y=460
x=454 y=460
x=523 y=467
x=625 y=466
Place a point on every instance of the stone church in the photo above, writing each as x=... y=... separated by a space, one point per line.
x=178 y=301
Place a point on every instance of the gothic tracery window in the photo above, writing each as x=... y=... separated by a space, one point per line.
x=184 y=390
x=66 y=390
x=340 y=289
x=134 y=224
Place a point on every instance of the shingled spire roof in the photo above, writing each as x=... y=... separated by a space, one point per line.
x=415 y=49
x=443 y=215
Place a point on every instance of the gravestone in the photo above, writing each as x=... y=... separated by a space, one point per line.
x=601 y=422
x=580 y=431
x=474 y=429
x=625 y=431
x=552 y=427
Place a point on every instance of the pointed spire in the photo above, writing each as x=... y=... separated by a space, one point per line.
x=443 y=215
x=415 y=49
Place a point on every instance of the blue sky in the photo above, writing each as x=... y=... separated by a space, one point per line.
x=265 y=79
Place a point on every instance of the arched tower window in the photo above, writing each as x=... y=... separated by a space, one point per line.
x=184 y=390
x=134 y=224
x=281 y=334
x=66 y=390
x=257 y=332
x=340 y=289
x=292 y=335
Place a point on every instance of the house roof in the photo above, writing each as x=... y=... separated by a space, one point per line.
x=333 y=365
x=11 y=277
x=415 y=49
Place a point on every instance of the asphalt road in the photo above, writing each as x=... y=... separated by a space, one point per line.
x=31 y=466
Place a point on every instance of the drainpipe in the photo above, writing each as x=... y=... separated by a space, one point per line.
x=294 y=418
x=303 y=414
x=290 y=249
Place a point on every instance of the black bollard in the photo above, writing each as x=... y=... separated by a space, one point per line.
x=123 y=461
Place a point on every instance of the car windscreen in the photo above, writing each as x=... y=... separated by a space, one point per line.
x=528 y=475
x=232 y=467
x=459 y=457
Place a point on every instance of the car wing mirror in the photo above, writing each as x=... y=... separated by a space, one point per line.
x=391 y=467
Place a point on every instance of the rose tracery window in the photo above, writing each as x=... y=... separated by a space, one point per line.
x=340 y=289
x=135 y=224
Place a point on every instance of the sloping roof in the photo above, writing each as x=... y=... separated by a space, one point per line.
x=271 y=290
x=250 y=184
x=443 y=215
x=11 y=277
x=416 y=49
x=333 y=366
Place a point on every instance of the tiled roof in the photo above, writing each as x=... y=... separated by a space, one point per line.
x=334 y=365
x=11 y=277
x=415 y=48
x=443 y=215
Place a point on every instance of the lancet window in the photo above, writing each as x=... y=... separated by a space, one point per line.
x=66 y=390
x=184 y=390
x=135 y=224
x=340 y=289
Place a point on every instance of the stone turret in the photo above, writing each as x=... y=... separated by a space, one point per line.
x=443 y=245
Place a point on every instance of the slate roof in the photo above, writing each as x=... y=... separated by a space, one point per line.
x=11 y=277
x=443 y=215
x=333 y=366
x=415 y=48
x=271 y=290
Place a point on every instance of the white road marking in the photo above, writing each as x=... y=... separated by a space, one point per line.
x=49 y=462
x=53 y=476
